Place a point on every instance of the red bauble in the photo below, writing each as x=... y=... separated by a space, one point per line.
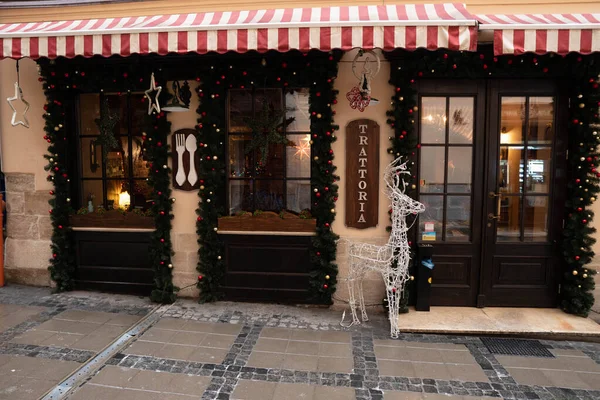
x=584 y=221
x=325 y=286
x=52 y=192
x=317 y=194
x=162 y=213
x=589 y=159
x=326 y=224
x=577 y=258
x=162 y=240
x=575 y=121
x=326 y=188
x=199 y=219
x=318 y=254
x=579 y=209
x=577 y=180
x=60 y=227
x=200 y=277
x=398 y=89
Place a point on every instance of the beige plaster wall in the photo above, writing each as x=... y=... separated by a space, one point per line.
x=185 y=240
x=28 y=225
x=380 y=89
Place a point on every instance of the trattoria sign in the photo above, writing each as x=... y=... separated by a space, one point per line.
x=362 y=173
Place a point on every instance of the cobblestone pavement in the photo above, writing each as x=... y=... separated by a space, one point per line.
x=250 y=351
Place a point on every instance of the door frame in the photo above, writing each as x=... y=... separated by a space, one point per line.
x=557 y=195
x=457 y=254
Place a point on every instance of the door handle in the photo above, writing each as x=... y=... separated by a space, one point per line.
x=498 y=197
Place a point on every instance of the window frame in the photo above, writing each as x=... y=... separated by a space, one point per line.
x=284 y=178
x=129 y=175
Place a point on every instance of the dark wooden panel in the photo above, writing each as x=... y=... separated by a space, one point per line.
x=517 y=271
x=114 y=262
x=267 y=268
x=452 y=270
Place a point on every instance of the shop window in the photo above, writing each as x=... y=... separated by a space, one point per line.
x=281 y=181
x=119 y=181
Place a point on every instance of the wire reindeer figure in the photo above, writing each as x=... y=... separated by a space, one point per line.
x=392 y=259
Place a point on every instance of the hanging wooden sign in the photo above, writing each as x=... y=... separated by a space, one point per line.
x=186 y=160
x=362 y=173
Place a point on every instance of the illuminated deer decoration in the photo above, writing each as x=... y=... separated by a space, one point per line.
x=390 y=260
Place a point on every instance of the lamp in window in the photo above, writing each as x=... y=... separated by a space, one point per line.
x=124 y=199
x=181 y=98
x=93 y=157
x=504 y=135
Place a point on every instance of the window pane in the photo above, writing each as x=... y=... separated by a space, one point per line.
x=240 y=196
x=240 y=160
x=240 y=109
x=139 y=113
x=430 y=221
x=432 y=169
x=461 y=120
x=298 y=195
x=275 y=167
x=513 y=119
x=541 y=120
x=140 y=166
x=118 y=106
x=92 y=190
x=269 y=97
x=297 y=106
x=458 y=218
x=89 y=105
x=114 y=190
x=433 y=120
x=141 y=193
x=460 y=165
x=538 y=169
x=510 y=176
x=509 y=224
x=91 y=158
x=298 y=156
x=269 y=195
x=117 y=163
x=536 y=219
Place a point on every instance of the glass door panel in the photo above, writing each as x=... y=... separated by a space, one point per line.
x=525 y=154
x=446 y=168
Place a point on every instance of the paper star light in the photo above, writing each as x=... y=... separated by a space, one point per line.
x=153 y=100
x=18 y=96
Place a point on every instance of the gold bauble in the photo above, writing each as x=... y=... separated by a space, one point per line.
x=574 y=272
x=584 y=276
x=327 y=277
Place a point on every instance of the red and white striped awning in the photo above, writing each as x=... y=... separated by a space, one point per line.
x=543 y=33
x=430 y=26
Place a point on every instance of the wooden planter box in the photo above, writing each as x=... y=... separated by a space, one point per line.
x=112 y=219
x=266 y=222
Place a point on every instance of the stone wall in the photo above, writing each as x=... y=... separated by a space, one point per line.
x=373 y=287
x=28 y=231
x=185 y=260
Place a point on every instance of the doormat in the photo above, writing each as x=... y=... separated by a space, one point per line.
x=516 y=347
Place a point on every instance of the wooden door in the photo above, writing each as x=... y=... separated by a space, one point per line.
x=451 y=127
x=524 y=194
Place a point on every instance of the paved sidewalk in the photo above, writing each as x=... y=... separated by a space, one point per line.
x=263 y=352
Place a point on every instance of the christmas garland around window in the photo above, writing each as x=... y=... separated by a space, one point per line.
x=316 y=71
x=580 y=73
x=62 y=81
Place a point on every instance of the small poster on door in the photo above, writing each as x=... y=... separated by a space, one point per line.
x=428 y=237
x=429 y=227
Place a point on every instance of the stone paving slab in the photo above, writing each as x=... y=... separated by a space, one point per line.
x=364 y=363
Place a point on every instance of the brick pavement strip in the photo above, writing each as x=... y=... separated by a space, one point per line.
x=366 y=379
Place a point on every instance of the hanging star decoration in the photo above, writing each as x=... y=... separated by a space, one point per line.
x=106 y=127
x=18 y=96
x=303 y=149
x=153 y=104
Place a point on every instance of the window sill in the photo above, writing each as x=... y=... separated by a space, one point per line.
x=266 y=223
x=112 y=220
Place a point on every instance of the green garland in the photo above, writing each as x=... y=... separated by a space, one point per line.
x=293 y=70
x=581 y=73
x=62 y=81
